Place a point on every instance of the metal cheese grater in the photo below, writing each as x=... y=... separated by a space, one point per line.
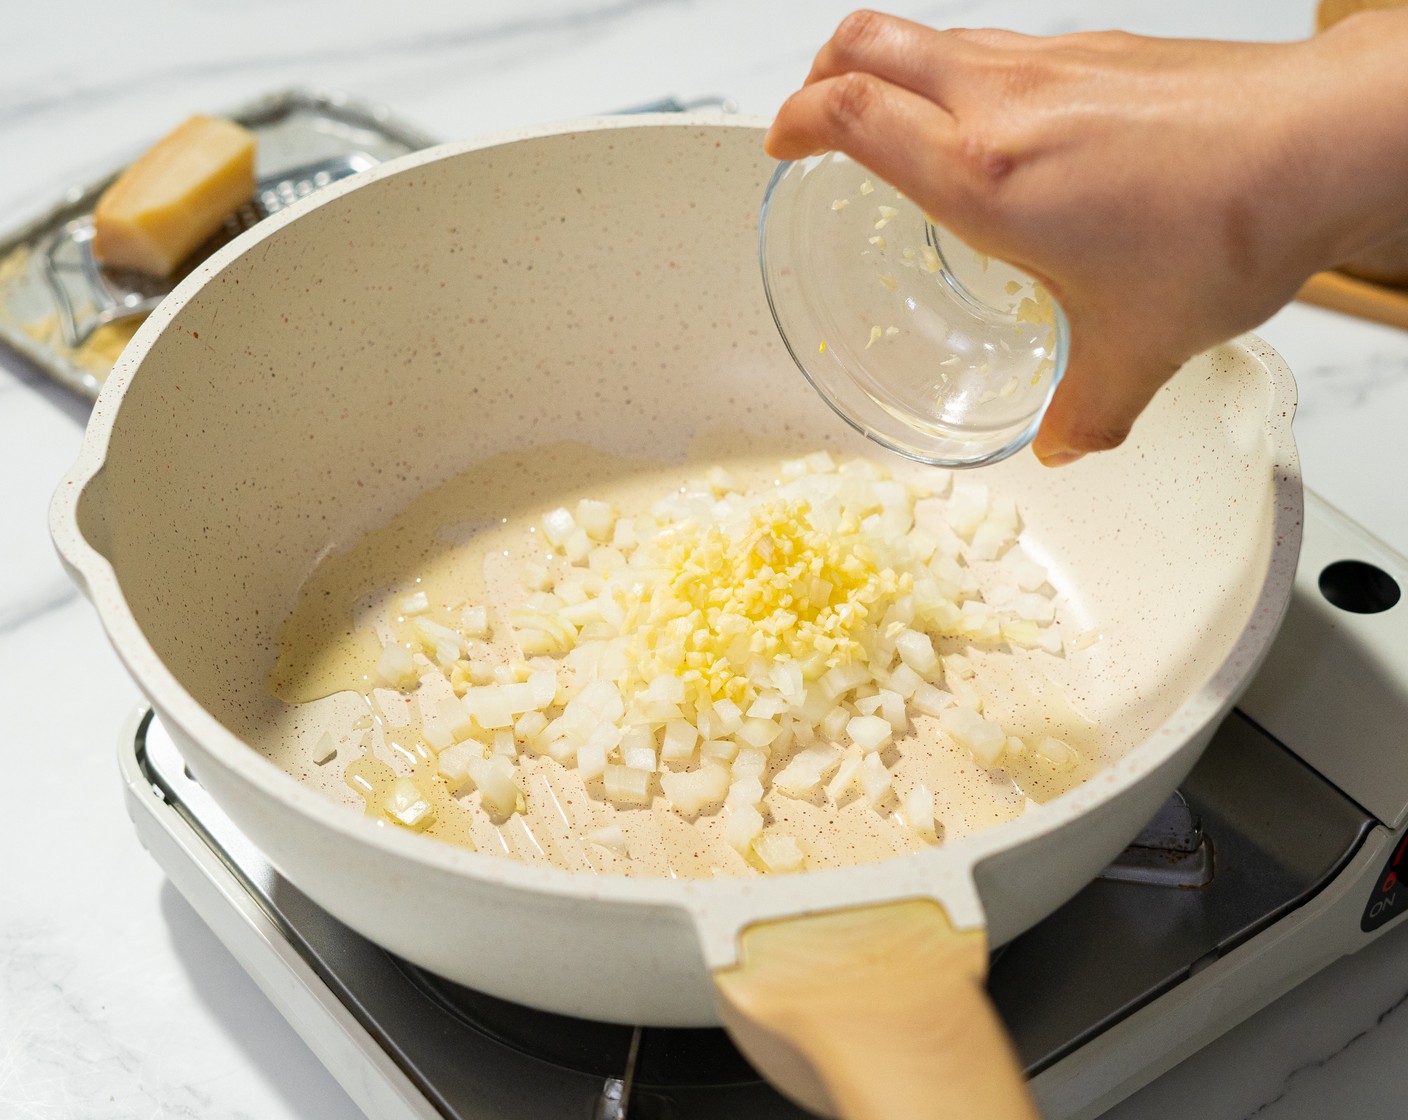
x=87 y=295
x=54 y=296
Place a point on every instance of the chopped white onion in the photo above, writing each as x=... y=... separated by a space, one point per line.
x=495 y=705
x=874 y=779
x=1033 y=608
x=846 y=773
x=1028 y=573
x=591 y=760
x=806 y=769
x=597 y=518
x=744 y=791
x=958 y=667
x=407 y=806
x=494 y=777
x=869 y=733
x=626 y=786
x=558 y=526
x=396 y=667
x=743 y=827
x=719 y=750
x=967 y=506
x=758 y=732
x=1057 y=753
x=931 y=701
x=983 y=738
x=727 y=635
x=453 y=763
x=917 y=651
x=917 y=808
x=689 y=791
x=779 y=852
x=679 y=741
x=638 y=749
x=324 y=750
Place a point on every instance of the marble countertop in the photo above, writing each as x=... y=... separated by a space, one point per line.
x=116 y=1002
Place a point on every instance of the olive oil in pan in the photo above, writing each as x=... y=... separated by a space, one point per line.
x=468 y=542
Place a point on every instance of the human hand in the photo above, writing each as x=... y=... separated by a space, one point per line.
x=1170 y=194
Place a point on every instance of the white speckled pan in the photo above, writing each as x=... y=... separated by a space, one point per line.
x=599 y=282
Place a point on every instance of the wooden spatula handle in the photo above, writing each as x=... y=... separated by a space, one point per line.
x=883 y=1008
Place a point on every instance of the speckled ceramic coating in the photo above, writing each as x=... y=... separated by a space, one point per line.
x=599 y=282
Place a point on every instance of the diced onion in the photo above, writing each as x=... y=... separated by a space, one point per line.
x=806 y=769
x=869 y=733
x=917 y=651
x=453 y=763
x=743 y=827
x=846 y=773
x=1057 y=753
x=407 y=806
x=723 y=636
x=967 y=507
x=638 y=749
x=396 y=668
x=493 y=706
x=597 y=518
x=874 y=779
x=679 y=741
x=917 y=808
x=558 y=526
x=689 y=791
x=325 y=750
x=931 y=701
x=498 y=791
x=984 y=738
x=745 y=791
x=779 y=853
x=627 y=786
x=591 y=761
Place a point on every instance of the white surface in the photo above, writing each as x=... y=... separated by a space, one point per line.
x=1320 y=703
x=115 y=1001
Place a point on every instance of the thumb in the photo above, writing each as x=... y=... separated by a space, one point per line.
x=1098 y=400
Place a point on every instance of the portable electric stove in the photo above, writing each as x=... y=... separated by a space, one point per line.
x=1279 y=855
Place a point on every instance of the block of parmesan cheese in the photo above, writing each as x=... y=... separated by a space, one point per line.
x=174 y=196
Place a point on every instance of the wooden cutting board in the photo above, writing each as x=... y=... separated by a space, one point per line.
x=1383 y=303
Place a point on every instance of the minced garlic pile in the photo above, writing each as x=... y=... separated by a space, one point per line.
x=726 y=644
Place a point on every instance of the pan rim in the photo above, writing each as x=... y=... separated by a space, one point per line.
x=717 y=906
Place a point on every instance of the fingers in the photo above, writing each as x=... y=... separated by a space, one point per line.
x=901 y=136
x=856 y=109
x=1095 y=406
x=923 y=59
x=895 y=50
x=885 y=91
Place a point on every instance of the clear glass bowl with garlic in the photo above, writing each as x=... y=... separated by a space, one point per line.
x=924 y=345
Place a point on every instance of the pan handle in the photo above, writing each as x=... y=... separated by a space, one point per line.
x=874 y=1013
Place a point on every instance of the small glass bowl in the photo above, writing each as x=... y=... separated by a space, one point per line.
x=917 y=341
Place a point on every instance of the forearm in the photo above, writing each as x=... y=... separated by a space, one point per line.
x=1355 y=130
